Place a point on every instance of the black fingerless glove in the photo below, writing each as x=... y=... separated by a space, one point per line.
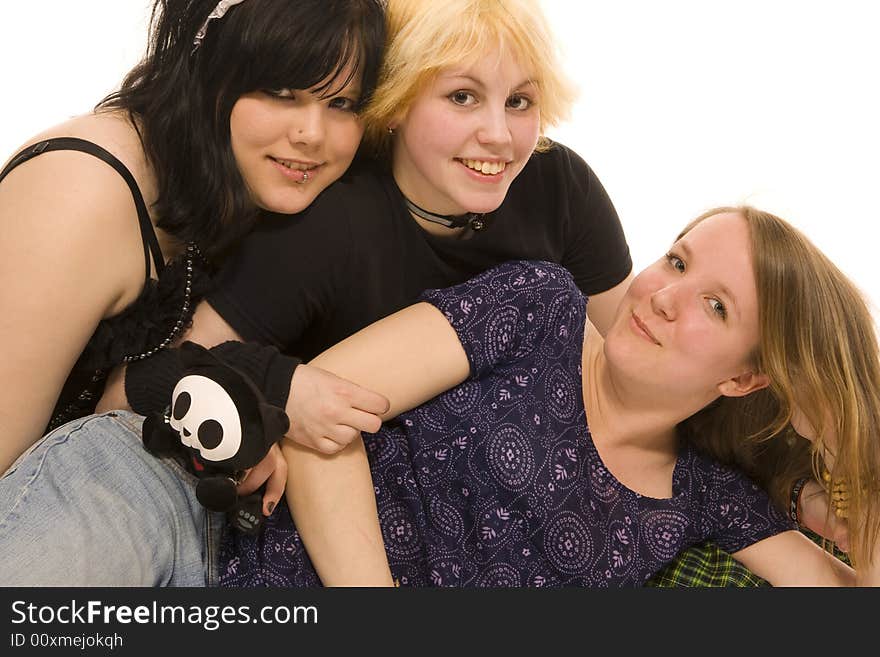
x=150 y=382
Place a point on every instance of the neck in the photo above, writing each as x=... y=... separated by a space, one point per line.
x=438 y=221
x=621 y=412
x=472 y=219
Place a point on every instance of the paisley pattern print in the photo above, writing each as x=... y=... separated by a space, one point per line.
x=497 y=481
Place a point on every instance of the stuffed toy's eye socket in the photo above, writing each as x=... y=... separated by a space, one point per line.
x=181 y=405
x=210 y=434
x=206 y=418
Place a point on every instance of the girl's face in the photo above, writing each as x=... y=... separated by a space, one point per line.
x=689 y=323
x=290 y=144
x=467 y=136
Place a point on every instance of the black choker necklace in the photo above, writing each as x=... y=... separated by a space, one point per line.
x=473 y=219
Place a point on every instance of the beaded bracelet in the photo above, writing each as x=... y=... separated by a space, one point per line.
x=794 y=500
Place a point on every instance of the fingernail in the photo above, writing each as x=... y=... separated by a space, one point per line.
x=271 y=507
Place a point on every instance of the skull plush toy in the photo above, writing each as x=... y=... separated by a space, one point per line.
x=221 y=422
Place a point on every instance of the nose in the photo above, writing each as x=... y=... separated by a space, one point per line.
x=186 y=432
x=494 y=128
x=664 y=302
x=307 y=125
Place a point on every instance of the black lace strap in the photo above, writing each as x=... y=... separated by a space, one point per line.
x=148 y=235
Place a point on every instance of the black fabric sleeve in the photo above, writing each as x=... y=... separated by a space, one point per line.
x=150 y=382
x=596 y=251
x=269 y=369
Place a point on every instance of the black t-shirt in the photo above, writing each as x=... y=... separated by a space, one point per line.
x=305 y=282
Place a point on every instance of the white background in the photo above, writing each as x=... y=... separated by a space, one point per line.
x=684 y=105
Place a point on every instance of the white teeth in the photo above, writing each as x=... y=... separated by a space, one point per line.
x=295 y=165
x=486 y=168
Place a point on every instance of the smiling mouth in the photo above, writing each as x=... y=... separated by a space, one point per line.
x=296 y=166
x=644 y=329
x=484 y=167
x=299 y=172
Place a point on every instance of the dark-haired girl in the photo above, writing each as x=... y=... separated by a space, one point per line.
x=111 y=222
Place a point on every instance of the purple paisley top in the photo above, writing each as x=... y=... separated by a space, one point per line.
x=497 y=481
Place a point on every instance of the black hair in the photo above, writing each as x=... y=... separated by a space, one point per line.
x=182 y=97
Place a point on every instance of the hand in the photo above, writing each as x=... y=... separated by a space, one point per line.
x=114 y=392
x=814 y=515
x=327 y=412
x=273 y=471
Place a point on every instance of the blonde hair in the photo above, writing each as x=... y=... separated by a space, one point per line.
x=424 y=37
x=818 y=346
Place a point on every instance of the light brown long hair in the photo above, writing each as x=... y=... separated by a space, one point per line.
x=818 y=346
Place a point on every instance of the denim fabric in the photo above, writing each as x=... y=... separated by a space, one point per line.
x=88 y=506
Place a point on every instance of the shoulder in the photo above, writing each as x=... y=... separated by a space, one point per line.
x=113 y=132
x=557 y=159
x=524 y=276
x=556 y=181
x=79 y=180
x=519 y=276
x=517 y=285
x=508 y=312
x=735 y=511
x=70 y=205
x=714 y=483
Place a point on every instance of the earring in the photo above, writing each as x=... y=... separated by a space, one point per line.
x=391 y=131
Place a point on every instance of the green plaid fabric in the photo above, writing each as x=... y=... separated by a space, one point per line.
x=705 y=565
x=708 y=565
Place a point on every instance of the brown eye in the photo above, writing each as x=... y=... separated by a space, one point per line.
x=344 y=104
x=462 y=98
x=718 y=308
x=519 y=103
x=284 y=94
x=676 y=262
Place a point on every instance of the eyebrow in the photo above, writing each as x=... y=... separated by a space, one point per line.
x=689 y=254
x=349 y=90
x=464 y=76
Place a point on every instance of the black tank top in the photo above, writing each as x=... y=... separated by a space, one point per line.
x=145 y=322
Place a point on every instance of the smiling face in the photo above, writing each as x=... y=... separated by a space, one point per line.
x=290 y=144
x=689 y=322
x=467 y=135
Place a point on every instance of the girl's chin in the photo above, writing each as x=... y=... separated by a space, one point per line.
x=482 y=205
x=288 y=203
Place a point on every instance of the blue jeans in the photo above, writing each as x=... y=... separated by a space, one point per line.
x=88 y=506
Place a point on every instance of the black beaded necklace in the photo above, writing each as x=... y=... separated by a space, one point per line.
x=475 y=220
x=192 y=250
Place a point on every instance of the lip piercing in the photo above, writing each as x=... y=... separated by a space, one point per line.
x=305 y=178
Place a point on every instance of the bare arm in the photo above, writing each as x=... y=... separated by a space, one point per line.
x=603 y=306
x=814 y=515
x=814 y=499
x=792 y=559
x=54 y=289
x=409 y=357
